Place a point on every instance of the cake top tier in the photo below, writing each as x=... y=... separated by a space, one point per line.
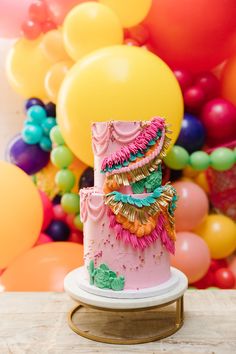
x=128 y=151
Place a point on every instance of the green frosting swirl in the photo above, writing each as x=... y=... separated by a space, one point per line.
x=104 y=278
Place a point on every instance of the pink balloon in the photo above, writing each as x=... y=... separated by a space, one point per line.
x=47 y=210
x=192 y=256
x=192 y=206
x=12 y=14
x=59 y=8
x=43 y=238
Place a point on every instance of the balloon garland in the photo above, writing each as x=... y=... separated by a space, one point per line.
x=221 y=159
x=62 y=158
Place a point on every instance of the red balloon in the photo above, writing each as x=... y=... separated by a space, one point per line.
x=217 y=264
x=209 y=83
x=184 y=77
x=207 y=281
x=131 y=42
x=31 y=29
x=224 y=278
x=140 y=33
x=219 y=119
x=195 y=35
x=47 y=210
x=43 y=238
x=76 y=237
x=48 y=26
x=38 y=11
x=194 y=98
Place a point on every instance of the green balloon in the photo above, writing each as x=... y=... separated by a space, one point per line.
x=56 y=137
x=65 y=179
x=177 y=158
x=78 y=223
x=222 y=159
x=70 y=203
x=61 y=157
x=199 y=160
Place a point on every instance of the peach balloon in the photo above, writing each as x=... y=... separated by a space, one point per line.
x=192 y=256
x=42 y=268
x=192 y=205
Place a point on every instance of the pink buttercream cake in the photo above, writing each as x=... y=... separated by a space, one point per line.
x=128 y=214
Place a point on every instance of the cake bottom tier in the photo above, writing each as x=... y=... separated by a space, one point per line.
x=141 y=268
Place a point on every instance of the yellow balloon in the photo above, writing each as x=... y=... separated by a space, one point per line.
x=21 y=213
x=27 y=66
x=116 y=83
x=219 y=232
x=90 y=26
x=130 y=12
x=53 y=46
x=54 y=78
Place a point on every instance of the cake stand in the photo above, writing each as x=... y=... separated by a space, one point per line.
x=130 y=310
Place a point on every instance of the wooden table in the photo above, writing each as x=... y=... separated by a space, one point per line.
x=36 y=323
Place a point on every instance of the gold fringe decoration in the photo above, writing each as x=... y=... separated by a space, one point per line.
x=137 y=174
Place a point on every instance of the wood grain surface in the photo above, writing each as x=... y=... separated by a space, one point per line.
x=37 y=323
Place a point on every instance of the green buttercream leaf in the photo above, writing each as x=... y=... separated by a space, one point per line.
x=153 y=181
x=125 y=163
x=138 y=203
x=118 y=284
x=130 y=200
x=112 y=274
x=151 y=142
x=103 y=266
x=132 y=157
x=138 y=187
x=139 y=154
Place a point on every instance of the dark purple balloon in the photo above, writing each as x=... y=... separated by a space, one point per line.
x=30 y=158
x=50 y=109
x=192 y=134
x=33 y=101
x=87 y=178
x=58 y=230
x=56 y=200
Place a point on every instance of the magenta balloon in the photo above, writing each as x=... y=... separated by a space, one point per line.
x=192 y=256
x=12 y=14
x=219 y=119
x=192 y=206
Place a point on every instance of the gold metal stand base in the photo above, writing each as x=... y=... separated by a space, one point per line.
x=129 y=326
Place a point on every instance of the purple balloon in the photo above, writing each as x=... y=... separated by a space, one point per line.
x=58 y=230
x=30 y=158
x=50 y=109
x=33 y=101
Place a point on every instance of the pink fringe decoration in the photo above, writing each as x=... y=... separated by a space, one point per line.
x=145 y=241
x=139 y=144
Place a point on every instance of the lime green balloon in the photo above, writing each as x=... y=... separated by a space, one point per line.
x=61 y=157
x=222 y=159
x=70 y=203
x=78 y=223
x=56 y=137
x=235 y=154
x=177 y=158
x=199 y=160
x=65 y=179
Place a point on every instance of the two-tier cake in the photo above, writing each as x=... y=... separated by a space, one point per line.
x=128 y=215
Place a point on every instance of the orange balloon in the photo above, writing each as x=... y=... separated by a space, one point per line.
x=201 y=180
x=228 y=80
x=21 y=213
x=53 y=47
x=42 y=268
x=54 y=78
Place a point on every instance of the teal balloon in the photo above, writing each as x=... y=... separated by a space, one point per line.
x=222 y=159
x=199 y=160
x=65 y=179
x=36 y=114
x=45 y=143
x=177 y=158
x=48 y=124
x=32 y=134
x=61 y=157
x=56 y=137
